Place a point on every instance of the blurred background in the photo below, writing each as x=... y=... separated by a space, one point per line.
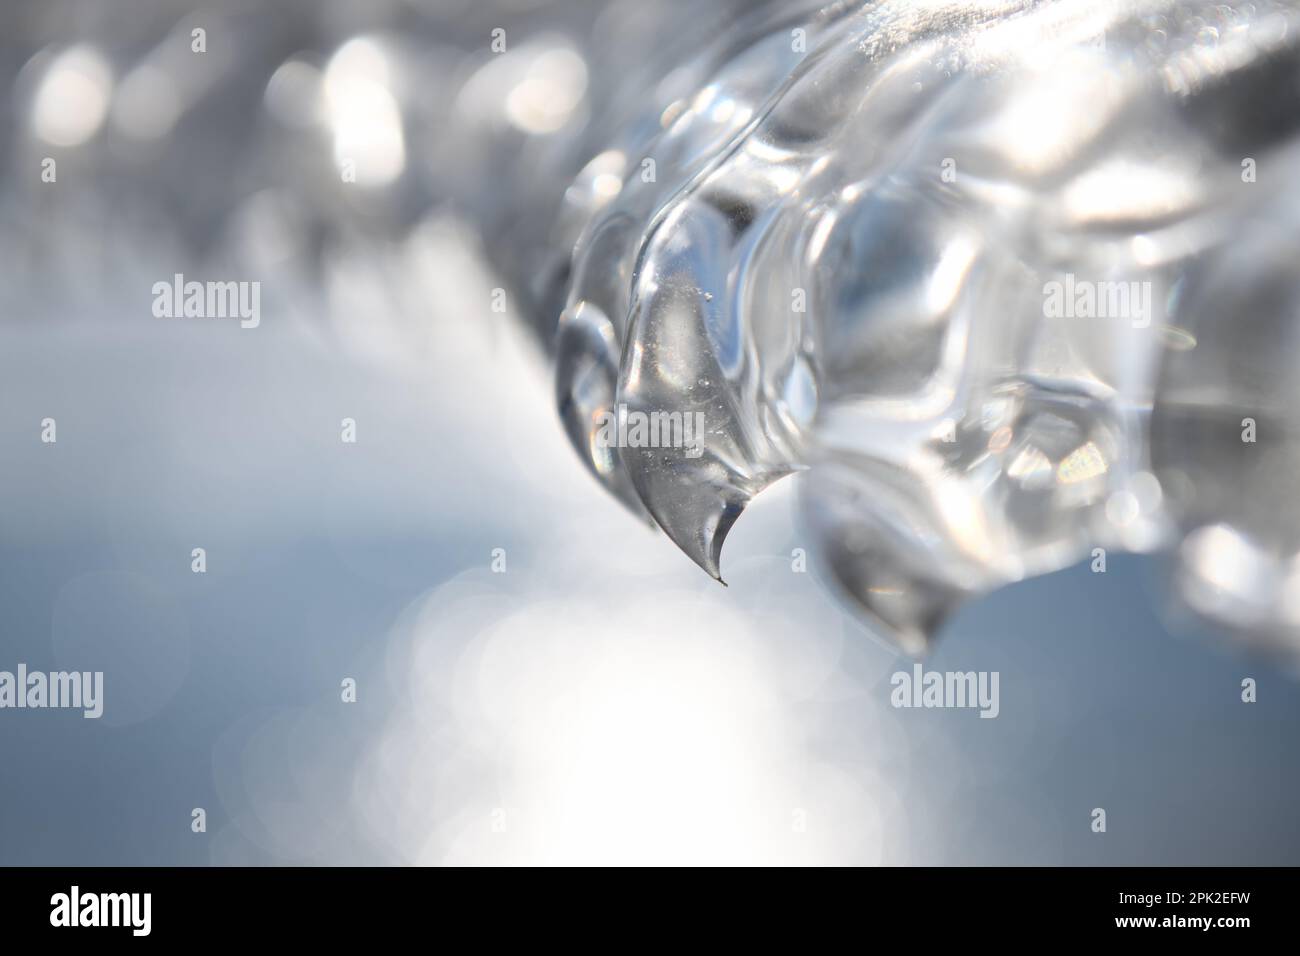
x=540 y=677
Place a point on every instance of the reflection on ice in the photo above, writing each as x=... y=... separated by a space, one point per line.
x=972 y=237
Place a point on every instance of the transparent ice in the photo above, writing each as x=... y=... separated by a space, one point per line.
x=836 y=231
x=844 y=260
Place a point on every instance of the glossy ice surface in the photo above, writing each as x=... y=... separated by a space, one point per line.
x=1007 y=283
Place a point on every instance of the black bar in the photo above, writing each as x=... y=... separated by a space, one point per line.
x=336 y=905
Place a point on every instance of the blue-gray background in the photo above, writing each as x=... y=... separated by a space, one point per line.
x=328 y=560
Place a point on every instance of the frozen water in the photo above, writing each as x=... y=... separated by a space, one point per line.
x=1007 y=283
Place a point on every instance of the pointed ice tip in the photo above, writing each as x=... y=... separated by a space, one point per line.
x=903 y=642
x=914 y=638
x=902 y=609
x=701 y=536
x=913 y=643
